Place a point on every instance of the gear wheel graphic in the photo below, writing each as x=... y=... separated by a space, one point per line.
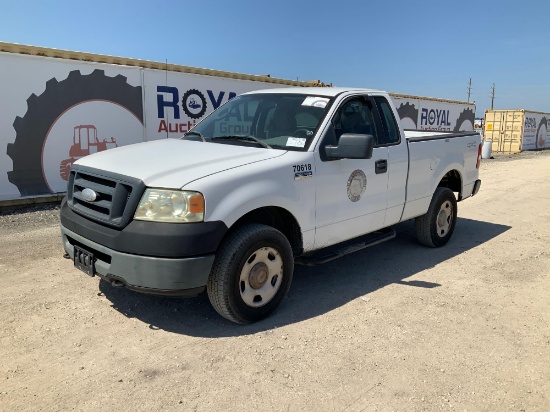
x=408 y=110
x=540 y=143
x=42 y=112
x=184 y=103
x=466 y=115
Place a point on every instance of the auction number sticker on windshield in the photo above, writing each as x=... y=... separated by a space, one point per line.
x=315 y=101
x=296 y=142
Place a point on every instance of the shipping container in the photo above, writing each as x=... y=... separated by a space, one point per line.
x=512 y=131
x=60 y=105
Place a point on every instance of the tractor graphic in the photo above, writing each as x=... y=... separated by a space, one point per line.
x=85 y=142
x=193 y=103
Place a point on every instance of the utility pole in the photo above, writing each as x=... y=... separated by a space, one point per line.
x=492 y=96
x=469 y=88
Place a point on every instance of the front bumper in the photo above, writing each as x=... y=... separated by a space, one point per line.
x=168 y=240
x=155 y=275
x=150 y=257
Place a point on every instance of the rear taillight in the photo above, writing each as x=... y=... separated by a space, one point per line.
x=478 y=156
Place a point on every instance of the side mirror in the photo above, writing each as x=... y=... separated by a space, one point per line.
x=351 y=146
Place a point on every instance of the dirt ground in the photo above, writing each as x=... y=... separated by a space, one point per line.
x=397 y=327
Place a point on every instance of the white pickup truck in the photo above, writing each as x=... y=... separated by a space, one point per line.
x=270 y=178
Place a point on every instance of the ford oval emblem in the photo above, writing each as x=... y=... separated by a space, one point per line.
x=89 y=195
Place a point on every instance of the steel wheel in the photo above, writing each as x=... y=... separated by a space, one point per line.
x=444 y=219
x=435 y=228
x=251 y=274
x=261 y=277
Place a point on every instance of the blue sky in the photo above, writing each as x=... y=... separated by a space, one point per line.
x=426 y=48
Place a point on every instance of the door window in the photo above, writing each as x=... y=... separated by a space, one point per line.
x=389 y=125
x=355 y=116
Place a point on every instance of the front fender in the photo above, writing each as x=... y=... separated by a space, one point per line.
x=254 y=195
x=238 y=191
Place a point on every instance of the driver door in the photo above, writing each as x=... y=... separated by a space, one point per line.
x=350 y=193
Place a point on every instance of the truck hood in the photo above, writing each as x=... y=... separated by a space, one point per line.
x=173 y=163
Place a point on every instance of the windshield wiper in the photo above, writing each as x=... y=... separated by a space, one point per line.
x=193 y=133
x=244 y=138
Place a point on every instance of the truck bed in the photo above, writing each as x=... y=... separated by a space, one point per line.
x=431 y=155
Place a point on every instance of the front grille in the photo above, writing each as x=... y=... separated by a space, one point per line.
x=117 y=196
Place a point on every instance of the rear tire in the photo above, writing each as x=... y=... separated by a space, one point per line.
x=251 y=274
x=435 y=228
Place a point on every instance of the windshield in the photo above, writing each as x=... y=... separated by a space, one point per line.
x=270 y=120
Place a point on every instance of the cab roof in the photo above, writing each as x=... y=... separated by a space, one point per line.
x=317 y=91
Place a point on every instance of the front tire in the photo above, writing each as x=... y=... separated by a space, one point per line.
x=435 y=228
x=251 y=274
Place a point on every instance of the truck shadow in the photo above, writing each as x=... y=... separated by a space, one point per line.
x=314 y=290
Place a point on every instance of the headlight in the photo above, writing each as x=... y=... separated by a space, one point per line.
x=176 y=206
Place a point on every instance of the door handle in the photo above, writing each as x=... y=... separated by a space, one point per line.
x=381 y=166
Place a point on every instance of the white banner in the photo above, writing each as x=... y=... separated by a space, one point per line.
x=423 y=114
x=56 y=111
x=175 y=102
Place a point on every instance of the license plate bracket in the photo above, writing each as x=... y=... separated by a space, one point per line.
x=84 y=261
